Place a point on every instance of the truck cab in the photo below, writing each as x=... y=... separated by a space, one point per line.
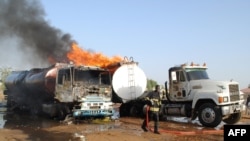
x=88 y=87
x=192 y=94
x=182 y=77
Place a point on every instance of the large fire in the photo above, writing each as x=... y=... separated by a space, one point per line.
x=82 y=57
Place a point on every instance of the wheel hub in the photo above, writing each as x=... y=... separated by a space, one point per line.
x=208 y=115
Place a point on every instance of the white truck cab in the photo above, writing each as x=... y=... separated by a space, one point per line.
x=193 y=94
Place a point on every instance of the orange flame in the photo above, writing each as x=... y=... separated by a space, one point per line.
x=82 y=57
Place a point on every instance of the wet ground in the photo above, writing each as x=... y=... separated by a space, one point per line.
x=22 y=127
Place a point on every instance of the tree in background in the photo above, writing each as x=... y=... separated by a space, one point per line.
x=151 y=84
x=4 y=72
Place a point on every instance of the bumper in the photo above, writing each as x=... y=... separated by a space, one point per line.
x=230 y=109
x=92 y=113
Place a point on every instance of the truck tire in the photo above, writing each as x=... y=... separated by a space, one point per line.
x=209 y=115
x=62 y=111
x=133 y=111
x=124 y=110
x=232 y=119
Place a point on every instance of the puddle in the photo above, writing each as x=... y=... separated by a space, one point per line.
x=38 y=128
x=11 y=120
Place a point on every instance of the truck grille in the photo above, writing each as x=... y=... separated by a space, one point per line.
x=93 y=90
x=234 y=92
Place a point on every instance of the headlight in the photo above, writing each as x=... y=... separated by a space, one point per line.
x=223 y=99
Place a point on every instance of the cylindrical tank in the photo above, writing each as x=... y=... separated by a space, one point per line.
x=41 y=80
x=129 y=81
x=15 y=80
x=37 y=84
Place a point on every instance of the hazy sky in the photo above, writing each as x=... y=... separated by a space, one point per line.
x=160 y=34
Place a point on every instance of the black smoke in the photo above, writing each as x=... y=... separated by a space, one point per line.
x=26 y=38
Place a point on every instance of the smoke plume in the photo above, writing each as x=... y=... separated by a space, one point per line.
x=26 y=38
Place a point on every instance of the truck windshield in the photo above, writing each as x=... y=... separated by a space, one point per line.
x=92 y=77
x=196 y=74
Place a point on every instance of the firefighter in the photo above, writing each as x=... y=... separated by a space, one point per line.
x=154 y=102
x=248 y=105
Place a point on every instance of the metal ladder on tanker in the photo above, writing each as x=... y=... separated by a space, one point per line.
x=131 y=81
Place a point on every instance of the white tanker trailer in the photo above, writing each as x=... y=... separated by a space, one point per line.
x=129 y=84
x=128 y=80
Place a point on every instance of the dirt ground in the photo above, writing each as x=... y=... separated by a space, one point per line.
x=22 y=128
x=122 y=129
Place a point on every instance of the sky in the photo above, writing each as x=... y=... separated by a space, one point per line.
x=159 y=34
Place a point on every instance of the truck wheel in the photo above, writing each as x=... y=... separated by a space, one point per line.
x=133 y=111
x=232 y=119
x=124 y=110
x=62 y=111
x=209 y=115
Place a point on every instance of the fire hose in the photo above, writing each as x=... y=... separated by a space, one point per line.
x=180 y=132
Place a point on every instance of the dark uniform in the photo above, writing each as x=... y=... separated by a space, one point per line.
x=154 y=103
x=248 y=105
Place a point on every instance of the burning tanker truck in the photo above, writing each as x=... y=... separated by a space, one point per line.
x=66 y=89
